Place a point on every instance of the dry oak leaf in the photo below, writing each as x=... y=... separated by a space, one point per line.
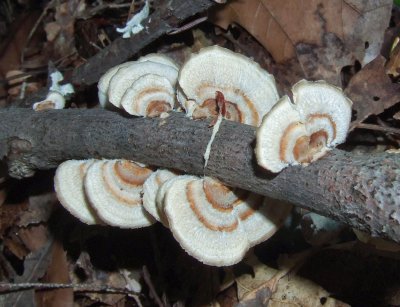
x=57 y=272
x=372 y=91
x=323 y=36
x=280 y=287
x=393 y=65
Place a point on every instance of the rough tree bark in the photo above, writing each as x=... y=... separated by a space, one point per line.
x=164 y=19
x=362 y=191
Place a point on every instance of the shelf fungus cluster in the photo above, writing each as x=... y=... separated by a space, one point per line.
x=214 y=223
x=145 y=87
x=302 y=131
x=104 y=191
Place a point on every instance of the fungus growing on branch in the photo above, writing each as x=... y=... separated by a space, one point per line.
x=150 y=95
x=217 y=224
x=151 y=187
x=156 y=65
x=126 y=76
x=114 y=189
x=68 y=184
x=104 y=82
x=249 y=91
x=303 y=131
x=53 y=100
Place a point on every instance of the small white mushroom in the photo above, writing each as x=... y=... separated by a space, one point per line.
x=151 y=187
x=216 y=224
x=134 y=25
x=126 y=76
x=68 y=184
x=114 y=190
x=150 y=95
x=54 y=100
x=64 y=89
x=249 y=91
x=303 y=131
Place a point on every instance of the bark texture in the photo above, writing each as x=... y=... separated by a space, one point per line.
x=362 y=191
x=164 y=19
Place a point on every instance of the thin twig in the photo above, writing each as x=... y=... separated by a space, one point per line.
x=23 y=75
x=97 y=10
x=147 y=279
x=377 y=128
x=188 y=26
x=11 y=287
x=392 y=138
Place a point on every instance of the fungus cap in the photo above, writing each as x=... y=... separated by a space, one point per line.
x=216 y=224
x=54 y=100
x=114 y=189
x=126 y=76
x=249 y=90
x=303 y=131
x=159 y=58
x=68 y=184
x=104 y=82
x=150 y=95
x=151 y=187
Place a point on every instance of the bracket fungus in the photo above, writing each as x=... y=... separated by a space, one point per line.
x=68 y=183
x=116 y=82
x=150 y=95
x=114 y=189
x=250 y=91
x=216 y=224
x=303 y=131
x=159 y=58
x=151 y=187
x=126 y=76
x=104 y=82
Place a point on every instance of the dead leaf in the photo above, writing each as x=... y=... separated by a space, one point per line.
x=34 y=237
x=61 y=32
x=324 y=36
x=9 y=214
x=372 y=91
x=35 y=265
x=281 y=288
x=228 y=297
x=10 y=55
x=39 y=209
x=52 y=30
x=97 y=277
x=57 y=272
x=15 y=246
x=393 y=65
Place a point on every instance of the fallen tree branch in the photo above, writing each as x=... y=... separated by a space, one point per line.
x=165 y=19
x=362 y=191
